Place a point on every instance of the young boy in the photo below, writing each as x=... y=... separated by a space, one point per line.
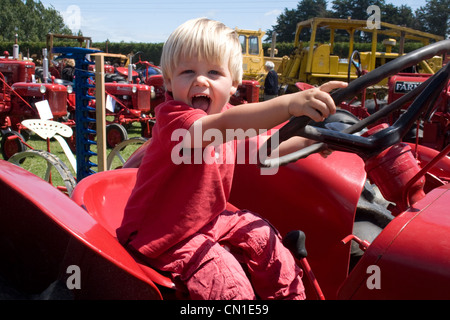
x=177 y=217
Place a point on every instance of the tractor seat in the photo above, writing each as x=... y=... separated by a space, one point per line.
x=104 y=196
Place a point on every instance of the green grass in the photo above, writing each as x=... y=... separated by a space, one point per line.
x=38 y=165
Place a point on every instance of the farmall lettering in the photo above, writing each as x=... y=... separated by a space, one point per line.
x=405 y=86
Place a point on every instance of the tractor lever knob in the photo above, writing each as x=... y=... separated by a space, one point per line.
x=295 y=242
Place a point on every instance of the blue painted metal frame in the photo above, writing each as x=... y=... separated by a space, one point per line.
x=84 y=114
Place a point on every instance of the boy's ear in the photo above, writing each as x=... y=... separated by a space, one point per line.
x=234 y=87
x=168 y=84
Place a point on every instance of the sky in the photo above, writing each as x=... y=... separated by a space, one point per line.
x=153 y=21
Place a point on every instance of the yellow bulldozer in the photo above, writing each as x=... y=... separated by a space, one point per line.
x=253 y=54
x=314 y=63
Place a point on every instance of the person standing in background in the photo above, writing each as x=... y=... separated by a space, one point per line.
x=271 y=82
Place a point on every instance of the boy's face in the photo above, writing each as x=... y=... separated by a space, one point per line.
x=202 y=84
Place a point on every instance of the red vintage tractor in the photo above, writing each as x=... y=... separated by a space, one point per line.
x=151 y=75
x=127 y=103
x=18 y=98
x=375 y=213
x=129 y=100
x=433 y=129
x=247 y=92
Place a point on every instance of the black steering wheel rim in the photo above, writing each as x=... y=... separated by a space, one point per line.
x=344 y=141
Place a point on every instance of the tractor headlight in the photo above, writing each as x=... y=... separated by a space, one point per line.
x=134 y=90
x=153 y=93
x=42 y=89
x=69 y=89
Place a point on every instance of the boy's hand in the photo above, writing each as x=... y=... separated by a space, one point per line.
x=325 y=153
x=315 y=103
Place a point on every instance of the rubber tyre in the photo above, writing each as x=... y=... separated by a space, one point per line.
x=115 y=134
x=12 y=146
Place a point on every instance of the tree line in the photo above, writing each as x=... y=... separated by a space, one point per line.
x=32 y=21
x=433 y=17
x=33 y=49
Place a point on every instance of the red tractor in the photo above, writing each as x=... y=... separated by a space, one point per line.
x=18 y=98
x=247 y=92
x=433 y=130
x=128 y=103
x=375 y=213
x=128 y=100
x=151 y=75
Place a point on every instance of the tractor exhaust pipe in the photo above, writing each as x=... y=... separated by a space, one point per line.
x=16 y=48
x=45 y=65
x=130 y=73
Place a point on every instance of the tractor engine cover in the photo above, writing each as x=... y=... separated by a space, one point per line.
x=55 y=94
x=402 y=83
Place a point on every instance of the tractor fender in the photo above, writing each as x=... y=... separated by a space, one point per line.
x=409 y=258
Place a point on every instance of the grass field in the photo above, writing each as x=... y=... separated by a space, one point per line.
x=38 y=165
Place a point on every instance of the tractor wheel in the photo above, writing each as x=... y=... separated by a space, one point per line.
x=115 y=134
x=372 y=216
x=55 y=171
x=12 y=143
x=118 y=152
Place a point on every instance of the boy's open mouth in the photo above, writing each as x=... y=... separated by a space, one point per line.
x=201 y=102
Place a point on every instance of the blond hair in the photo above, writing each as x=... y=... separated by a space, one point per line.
x=209 y=40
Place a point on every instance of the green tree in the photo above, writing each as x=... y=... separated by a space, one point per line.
x=355 y=9
x=30 y=20
x=287 y=22
x=285 y=27
x=434 y=17
x=402 y=16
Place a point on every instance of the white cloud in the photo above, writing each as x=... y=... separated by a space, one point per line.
x=211 y=14
x=275 y=12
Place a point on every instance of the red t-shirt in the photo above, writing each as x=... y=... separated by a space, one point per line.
x=173 y=200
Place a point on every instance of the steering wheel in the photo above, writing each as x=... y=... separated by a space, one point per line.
x=357 y=64
x=374 y=144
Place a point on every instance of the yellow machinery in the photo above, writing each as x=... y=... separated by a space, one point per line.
x=319 y=64
x=253 y=54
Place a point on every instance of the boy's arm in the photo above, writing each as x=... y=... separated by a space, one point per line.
x=315 y=103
